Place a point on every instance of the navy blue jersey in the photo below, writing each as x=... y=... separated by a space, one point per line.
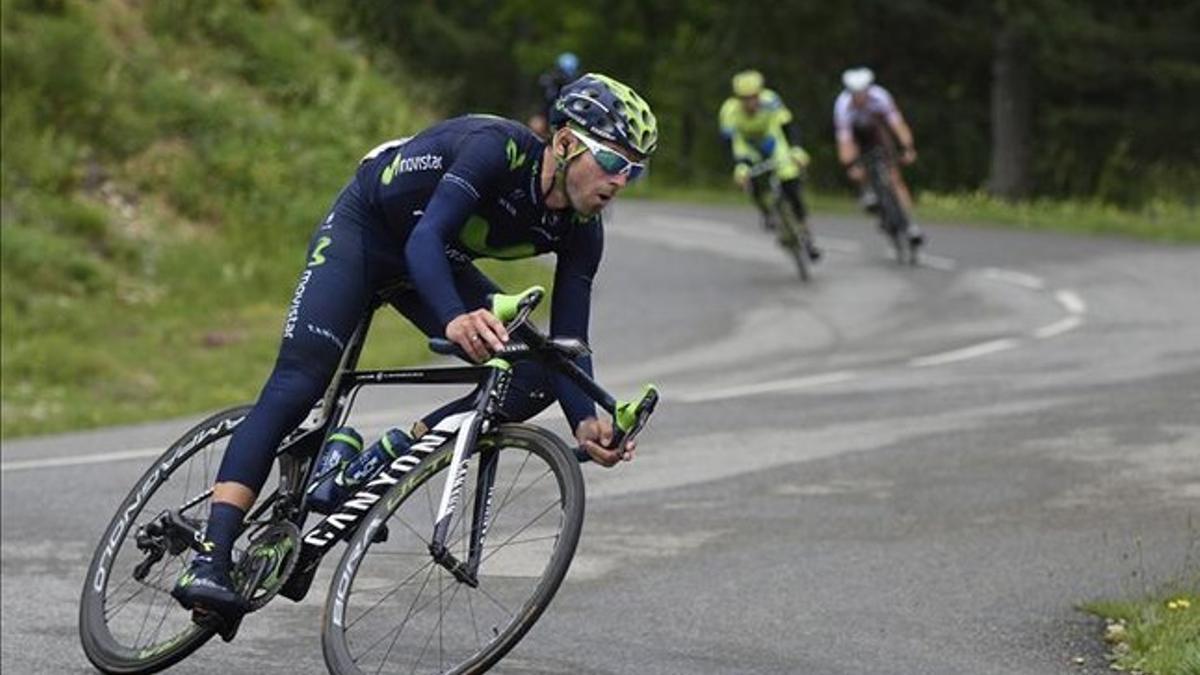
x=470 y=188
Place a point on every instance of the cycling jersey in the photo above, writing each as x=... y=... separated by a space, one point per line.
x=761 y=135
x=863 y=123
x=406 y=228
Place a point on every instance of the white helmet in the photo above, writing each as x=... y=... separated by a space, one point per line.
x=858 y=79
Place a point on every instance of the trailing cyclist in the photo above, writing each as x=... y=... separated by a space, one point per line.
x=549 y=84
x=406 y=228
x=866 y=119
x=760 y=129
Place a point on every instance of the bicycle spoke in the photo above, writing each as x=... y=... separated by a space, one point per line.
x=404 y=623
x=390 y=593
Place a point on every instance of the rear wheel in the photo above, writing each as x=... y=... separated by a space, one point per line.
x=391 y=608
x=128 y=621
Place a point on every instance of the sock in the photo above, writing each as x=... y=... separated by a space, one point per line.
x=224 y=526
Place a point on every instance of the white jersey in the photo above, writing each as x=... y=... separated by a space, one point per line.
x=846 y=115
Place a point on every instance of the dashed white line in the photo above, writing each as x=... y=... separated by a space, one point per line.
x=1058 y=327
x=80 y=460
x=938 y=262
x=981 y=349
x=1014 y=277
x=790 y=384
x=1071 y=301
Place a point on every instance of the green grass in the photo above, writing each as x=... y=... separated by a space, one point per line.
x=1158 y=635
x=1163 y=221
x=164 y=164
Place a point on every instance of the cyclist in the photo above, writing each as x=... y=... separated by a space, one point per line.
x=550 y=83
x=865 y=117
x=759 y=127
x=406 y=228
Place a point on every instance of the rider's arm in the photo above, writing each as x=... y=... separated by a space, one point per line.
x=727 y=121
x=570 y=311
x=893 y=116
x=847 y=149
x=453 y=200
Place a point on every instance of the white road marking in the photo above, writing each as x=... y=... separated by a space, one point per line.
x=938 y=262
x=80 y=460
x=1013 y=277
x=839 y=245
x=1071 y=301
x=790 y=384
x=981 y=349
x=1058 y=327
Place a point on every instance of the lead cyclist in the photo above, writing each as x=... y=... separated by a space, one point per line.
x=760 y=128
x=407 y=227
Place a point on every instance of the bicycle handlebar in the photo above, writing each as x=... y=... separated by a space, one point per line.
x=629 y=417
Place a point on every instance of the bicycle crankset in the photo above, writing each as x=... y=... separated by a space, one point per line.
x=268 y=562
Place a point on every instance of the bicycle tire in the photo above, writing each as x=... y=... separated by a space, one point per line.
x=99 y=644
x=891 y=214
x=356 y=569
x=793 y=241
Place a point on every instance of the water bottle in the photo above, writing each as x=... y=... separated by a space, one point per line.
x=343 y=445
x=364 y=467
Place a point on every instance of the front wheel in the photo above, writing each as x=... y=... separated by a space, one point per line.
x=392 y=609
x=793 y=238
x=128 y=621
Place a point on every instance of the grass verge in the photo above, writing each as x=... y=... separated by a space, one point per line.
x=1157 y=635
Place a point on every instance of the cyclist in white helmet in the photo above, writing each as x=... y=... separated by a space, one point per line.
x=865 y=116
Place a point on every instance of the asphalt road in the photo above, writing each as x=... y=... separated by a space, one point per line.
x=888 y=470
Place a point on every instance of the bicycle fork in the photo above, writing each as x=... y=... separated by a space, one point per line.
x=473 y=425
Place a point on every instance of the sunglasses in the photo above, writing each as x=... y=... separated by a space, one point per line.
x=613 y=162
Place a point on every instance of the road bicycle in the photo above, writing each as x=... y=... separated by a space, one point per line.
x=790 y=232
x=433 y=579
x=893 y=218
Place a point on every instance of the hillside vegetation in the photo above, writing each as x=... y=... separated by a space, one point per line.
x=163 y=166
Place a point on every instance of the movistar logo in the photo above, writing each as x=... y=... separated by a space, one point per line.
x=401 y=164
x=515 y=160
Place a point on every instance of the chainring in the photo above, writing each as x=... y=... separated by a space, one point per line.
x=270 y=559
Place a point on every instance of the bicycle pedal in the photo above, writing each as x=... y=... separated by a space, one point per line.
x=214 y=622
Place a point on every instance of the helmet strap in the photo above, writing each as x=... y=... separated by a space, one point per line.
x=561 y=162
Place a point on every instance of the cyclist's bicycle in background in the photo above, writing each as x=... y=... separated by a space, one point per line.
x=791 y=233
x=437 y=576
x=894 y=220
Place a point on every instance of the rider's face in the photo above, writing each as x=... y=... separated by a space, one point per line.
x=858 y=98
x=749 y=104
x=589 y=187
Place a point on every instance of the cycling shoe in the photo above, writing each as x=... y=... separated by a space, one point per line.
x=915 y=236
x=209 y=591
x=814 y=252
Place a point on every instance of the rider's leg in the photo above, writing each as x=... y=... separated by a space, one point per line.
x=760 y=191
x=330 y=299
x=914 y=231
x=793 y=196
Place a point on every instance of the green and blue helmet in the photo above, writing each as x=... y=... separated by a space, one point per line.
x=607 y=109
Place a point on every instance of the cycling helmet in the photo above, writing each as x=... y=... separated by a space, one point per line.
x=607 y=109
x=568 y=63
x=858 y=79
x=747 y=83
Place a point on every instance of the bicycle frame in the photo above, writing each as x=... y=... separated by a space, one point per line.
x=465 y=429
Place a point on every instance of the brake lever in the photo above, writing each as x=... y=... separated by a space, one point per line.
x=631 y=417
